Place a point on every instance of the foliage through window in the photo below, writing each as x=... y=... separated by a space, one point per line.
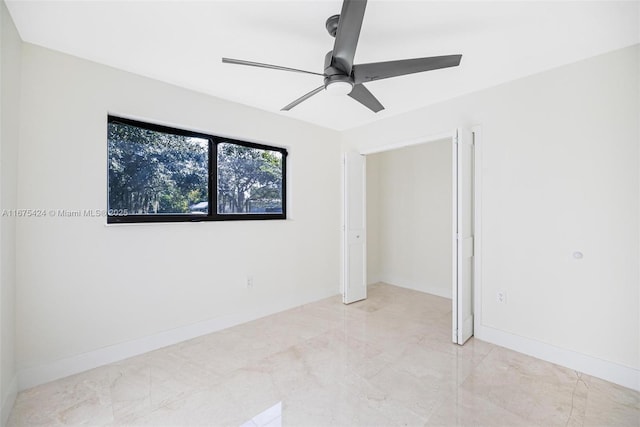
x=249 y=179
x=158 y=174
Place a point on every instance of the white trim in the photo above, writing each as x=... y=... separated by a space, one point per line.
x=9 y=400
x=477 y=224
x=440 y=291
x=408 y=143
x=609 y=371
x=33 y=376
x=343 y=235
x=454 y=238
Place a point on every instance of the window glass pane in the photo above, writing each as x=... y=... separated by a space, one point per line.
x=152 y=172
x=249 y=180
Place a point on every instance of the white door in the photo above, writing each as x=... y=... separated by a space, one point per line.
x=463 y=164
x=355 y=249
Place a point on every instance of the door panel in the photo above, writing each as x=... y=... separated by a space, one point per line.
x=355 y=276
x=463 y=237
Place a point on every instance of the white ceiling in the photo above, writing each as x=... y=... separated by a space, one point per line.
x=183 y=42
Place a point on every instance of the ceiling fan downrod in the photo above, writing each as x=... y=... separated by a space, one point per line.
x=332 y=25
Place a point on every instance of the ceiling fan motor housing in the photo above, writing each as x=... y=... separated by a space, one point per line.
x=335 y=77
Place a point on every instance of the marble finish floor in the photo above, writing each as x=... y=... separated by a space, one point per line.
x=386 y=361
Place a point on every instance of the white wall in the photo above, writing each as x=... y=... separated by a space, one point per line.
x=373 y=220
x=84 y=286
x=409 y=240
x=10 y=47
x=559 y=174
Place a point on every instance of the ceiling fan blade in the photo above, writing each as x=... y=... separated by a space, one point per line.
x=302 y=98
x=384 y=70
x=344 y=48
x=261 y=65
x=366 y=98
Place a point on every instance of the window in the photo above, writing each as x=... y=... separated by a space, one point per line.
x=162 y=174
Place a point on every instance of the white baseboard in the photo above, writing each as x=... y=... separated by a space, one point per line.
x=609 y=371
x=441 y=291
x=33 y=376
x=8 y=400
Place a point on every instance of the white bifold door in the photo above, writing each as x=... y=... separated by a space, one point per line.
x=354 y=236
x=463 y=236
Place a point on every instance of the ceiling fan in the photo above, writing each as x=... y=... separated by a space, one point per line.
x=341 y=75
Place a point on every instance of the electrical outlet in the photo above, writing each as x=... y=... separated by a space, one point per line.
x=501 y=297
x=249 y=282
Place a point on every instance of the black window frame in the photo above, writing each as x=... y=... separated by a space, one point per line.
x=212 y=179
